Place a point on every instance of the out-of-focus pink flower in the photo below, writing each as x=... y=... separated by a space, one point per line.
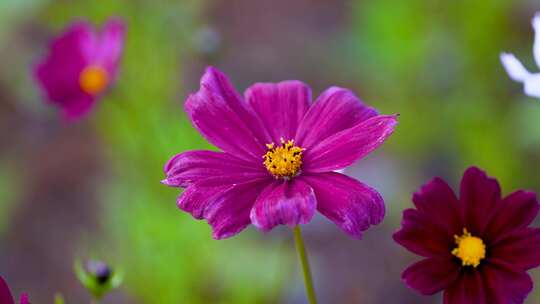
x=280 y=152
x=80 y=66
x=6 y=297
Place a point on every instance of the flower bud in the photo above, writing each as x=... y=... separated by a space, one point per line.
x=97 y=277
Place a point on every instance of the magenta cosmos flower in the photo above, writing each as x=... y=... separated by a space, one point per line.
x=478 y=247
x=80 y=66
x=6 y=297
x=280 y=151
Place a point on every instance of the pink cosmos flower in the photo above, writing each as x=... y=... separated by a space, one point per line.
x=80 y=66
x=280 y=152
x=6 y=297
x=477 y=247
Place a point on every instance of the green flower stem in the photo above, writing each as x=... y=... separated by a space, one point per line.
x=308 y=281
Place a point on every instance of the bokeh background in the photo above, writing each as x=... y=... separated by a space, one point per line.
x=91 y=189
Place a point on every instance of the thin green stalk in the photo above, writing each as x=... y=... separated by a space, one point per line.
x=308 y=281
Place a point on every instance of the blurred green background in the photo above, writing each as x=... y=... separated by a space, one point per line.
x=91 y=189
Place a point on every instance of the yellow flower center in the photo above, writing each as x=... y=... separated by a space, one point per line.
x=93 y=79
x=284 y=160
x=470 y=249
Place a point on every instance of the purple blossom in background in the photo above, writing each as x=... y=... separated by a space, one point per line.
x=478 y=247
x=80 y=66
x=6 y=297
x=280 y=152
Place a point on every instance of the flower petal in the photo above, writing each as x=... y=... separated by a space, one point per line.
x=517 y=210
x=536 y=46
x=421 y=234
x=198 y=196
x=78 y=106
x=58 y=74
x=5 y=294
x=505 y=284
x=344 y=148
x=520 y=248
x=532 y=85
x=480 y=197
x=514 y=67
x=284 y=203
x=280 y=106
x=111 y=44
x=335 y=110
x=437 y=201
x=188 y=167
x=468 y=288
x=229 y=213
x=351 y=205
x=224 y=205
x=220 y=115
x=430 y=276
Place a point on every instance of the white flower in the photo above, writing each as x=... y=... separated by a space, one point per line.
x=518 y=72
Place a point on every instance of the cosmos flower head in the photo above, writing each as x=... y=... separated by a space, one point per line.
x=80 y=66
x=516 y=70
x=477 y=247
x=6 y=297
x=279 y=151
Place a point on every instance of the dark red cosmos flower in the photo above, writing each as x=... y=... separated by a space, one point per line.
x=478 y=247
x=81 y=64
x=6 y=297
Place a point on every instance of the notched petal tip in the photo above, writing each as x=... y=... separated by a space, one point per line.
x=475 y=171
x=212 y=78
x=210 y=70
x=286 y=203
x=218 y=234
x=215 y=82
x=284 y=85
x=475 y=174
x=350 y=204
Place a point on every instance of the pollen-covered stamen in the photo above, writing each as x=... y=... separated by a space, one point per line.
x=283 y=160
x=470 y=249
x=93 y=79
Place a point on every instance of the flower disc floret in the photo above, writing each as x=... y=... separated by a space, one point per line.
x=470 y=249
x=284 y=160
x=93 y=79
